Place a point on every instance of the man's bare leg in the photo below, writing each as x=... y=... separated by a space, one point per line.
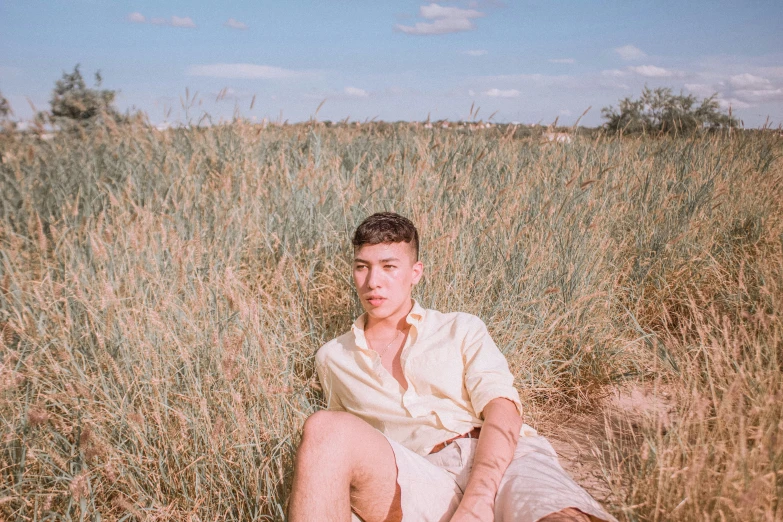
x=343 y=461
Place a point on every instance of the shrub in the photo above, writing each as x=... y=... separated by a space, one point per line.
x=74 y=105
x=661 y=111
x=5 y=114
x=5 y=107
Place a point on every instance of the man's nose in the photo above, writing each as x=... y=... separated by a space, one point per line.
x=373 y=279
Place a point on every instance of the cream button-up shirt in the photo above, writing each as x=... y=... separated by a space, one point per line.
x=452 y=366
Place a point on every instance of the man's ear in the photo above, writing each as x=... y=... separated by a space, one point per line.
x=418 y=271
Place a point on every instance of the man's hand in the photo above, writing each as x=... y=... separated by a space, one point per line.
x=494 y=452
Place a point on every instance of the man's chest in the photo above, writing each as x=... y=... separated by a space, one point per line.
x=423 y=368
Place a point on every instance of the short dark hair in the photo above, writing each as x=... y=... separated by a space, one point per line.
x=387 y=227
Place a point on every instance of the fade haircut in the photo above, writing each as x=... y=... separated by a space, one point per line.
x=387 y=227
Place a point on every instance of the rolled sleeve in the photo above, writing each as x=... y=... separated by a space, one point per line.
x=487 y=375
x=328 y=385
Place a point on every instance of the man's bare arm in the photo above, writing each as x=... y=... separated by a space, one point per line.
x=494 y=452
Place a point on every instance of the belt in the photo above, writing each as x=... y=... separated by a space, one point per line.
x=472 y=434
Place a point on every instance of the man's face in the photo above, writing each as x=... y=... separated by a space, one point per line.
x=384 y=275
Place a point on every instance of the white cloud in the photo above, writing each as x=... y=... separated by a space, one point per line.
x=356 y=92
x=232 y=23
x=652 y=71
x=498 y=93
x=741 y=82
x=609 y=79
x=530 y=79
x=562 y=60
x=174 y=21
x=775 y=72
x=741 y=91
x=733 y=103
x=700 y=89
x=475 y=52
x=471 y=92
x=443 y=20
x=442 y=26
x=184 y=21
x=245 y=71
x=759 y=95
x=630 y=52
x=435 y=11
x=748 y=81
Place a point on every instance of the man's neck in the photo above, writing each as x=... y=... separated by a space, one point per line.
x=388 y=325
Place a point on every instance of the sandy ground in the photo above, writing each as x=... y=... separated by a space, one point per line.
x=581 y=439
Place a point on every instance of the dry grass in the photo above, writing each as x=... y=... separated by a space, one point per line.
x=162 y=296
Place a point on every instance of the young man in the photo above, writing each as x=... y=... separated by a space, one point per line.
x=423 y=422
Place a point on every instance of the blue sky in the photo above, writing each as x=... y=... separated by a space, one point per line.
x=526 y=61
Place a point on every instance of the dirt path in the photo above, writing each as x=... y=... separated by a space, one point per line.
x=583 y=440
x=579 y=455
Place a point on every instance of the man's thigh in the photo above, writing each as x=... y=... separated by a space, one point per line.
x=386 y=479
x=375 y=494
x=367 y=457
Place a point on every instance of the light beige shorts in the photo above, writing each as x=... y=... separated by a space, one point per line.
x=533 y=486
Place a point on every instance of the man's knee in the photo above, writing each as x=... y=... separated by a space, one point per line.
x=328 y=429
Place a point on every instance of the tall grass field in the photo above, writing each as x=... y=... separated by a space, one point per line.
x=162 y=295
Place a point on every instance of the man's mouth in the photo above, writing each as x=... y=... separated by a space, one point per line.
x=375 y=300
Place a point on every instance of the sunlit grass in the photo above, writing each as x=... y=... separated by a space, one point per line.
x=162 y=295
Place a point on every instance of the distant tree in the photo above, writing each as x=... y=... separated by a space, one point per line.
x=75 y=104
x=5 y=107
x=6 y=124
x=661 y=111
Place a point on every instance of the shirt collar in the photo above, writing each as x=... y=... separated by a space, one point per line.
x=414 y=318
x=416 y=315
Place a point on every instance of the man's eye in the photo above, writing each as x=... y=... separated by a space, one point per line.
x=390 y=266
